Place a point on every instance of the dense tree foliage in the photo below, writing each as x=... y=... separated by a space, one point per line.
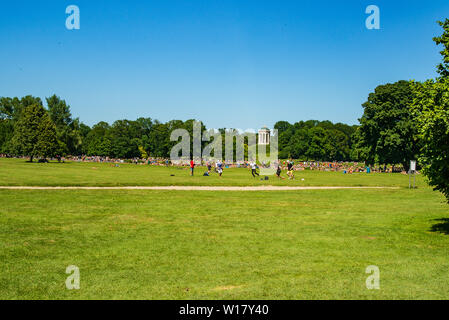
x=68 y=130
x=443 y=67
x=315 y=140
x=387 y=132
x=144 y=137
x=10 y=111
x=34 y=133
x=6 y=134
x=431 y=109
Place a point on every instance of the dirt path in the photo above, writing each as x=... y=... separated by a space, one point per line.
x=192 y=188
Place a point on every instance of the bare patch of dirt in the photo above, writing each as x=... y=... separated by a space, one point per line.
x=226 y=288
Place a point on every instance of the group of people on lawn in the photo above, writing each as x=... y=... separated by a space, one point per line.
x=218 y=168
x=252 y=165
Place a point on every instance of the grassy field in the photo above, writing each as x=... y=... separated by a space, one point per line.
x=312 y=244
x=15 y=172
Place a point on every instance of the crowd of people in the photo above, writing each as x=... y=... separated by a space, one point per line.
x=345 y=167
x=289 y=166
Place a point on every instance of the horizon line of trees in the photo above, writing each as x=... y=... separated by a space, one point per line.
x=27 y=128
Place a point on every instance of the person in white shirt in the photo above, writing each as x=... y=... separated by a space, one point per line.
x=219 y=166
x=254 y=169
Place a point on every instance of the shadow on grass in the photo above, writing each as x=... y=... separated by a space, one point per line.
x=442 y=226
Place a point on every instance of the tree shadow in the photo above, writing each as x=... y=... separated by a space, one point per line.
x=442 y=226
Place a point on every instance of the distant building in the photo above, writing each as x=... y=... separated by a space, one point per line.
x=264 y=136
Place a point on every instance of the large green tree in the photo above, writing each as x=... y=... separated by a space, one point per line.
x=10 y=111
x=70 y=132
x=285 y=133
x=315 y=140
x=443 y=67
x=6 y=134
x=431 y=109
x=125 y=136
x=97 y=141
x=387 y=132
x=35 y=133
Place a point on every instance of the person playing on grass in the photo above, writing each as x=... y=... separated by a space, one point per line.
x=219 y=166
x=290 y=173
x=209 y=167
x=278 y=172
x=254 y=169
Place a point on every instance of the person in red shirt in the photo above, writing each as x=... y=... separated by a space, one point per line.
x=192 y=166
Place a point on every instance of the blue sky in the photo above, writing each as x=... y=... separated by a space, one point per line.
x=240 y=64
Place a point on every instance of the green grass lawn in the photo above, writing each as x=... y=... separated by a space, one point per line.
x=141 y=244
x=14 y=172
x=229 y=245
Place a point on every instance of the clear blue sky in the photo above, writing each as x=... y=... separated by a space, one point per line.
x=240 y=64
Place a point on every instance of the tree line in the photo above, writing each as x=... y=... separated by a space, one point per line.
x=315 y=140
x=28 y=128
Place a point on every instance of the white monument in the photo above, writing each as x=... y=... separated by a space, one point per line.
x=264 y=136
